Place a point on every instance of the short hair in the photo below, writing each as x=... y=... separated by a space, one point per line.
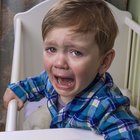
x=86 y=16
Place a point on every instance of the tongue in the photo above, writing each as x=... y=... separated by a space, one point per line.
x=65 y=81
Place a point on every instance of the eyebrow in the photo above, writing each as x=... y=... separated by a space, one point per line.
x=50 y=42
x=67 y=44
x=75 y=45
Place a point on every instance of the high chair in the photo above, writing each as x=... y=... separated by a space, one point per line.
x=27 y=61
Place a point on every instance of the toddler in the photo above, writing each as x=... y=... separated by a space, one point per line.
x=78 y=38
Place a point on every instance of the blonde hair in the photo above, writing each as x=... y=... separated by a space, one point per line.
x=85 y=16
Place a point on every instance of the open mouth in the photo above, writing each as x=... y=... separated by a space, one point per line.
x=64 y=82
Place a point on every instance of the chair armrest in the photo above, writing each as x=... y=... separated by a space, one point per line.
x=11 y=120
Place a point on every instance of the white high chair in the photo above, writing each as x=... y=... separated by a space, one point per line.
x=27 y=61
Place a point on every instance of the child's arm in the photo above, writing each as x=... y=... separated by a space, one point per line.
x=8 y=96
x=31 y=89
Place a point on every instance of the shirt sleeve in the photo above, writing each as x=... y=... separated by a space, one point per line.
x=32 y=88
x=118 y=123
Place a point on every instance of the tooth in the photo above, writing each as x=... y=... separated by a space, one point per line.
x=59 y=80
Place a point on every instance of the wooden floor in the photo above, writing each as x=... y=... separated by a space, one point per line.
x=8 y=8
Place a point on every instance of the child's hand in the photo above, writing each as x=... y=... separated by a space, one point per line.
x=8 y=96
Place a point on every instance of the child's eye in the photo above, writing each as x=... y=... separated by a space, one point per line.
x=76 y=53
x=50 y=49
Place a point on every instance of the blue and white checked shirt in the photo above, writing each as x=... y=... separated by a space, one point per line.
x=100 y=107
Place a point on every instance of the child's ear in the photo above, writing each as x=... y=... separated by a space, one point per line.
x=106 y=61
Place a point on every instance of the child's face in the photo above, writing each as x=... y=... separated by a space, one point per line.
x=72 y=61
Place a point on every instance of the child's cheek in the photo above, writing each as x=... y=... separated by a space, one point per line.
x=47 y=63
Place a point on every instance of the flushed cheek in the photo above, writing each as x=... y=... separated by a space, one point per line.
x=46 y=66
x=80 y=74
x=81 y=68
x=84 y=76
x=47 y=62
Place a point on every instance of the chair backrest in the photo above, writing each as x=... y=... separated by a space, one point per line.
x=119 y=68
x=27 y=57
x=31 y=41
x=27 y=27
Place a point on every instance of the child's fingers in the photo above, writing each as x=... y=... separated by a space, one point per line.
x=6 y=101
x=5 y=104
x=8 y=96
x=20 y=104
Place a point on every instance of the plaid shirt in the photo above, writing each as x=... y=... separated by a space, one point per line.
x=100 y=107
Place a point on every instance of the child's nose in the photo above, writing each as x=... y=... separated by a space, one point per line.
x=61 y=62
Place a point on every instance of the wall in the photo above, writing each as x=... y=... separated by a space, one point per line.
x=134 y=8
x=121 y=4
x=134 y=82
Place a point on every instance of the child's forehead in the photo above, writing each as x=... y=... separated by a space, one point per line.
x=67 y=37
x=70 y=32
